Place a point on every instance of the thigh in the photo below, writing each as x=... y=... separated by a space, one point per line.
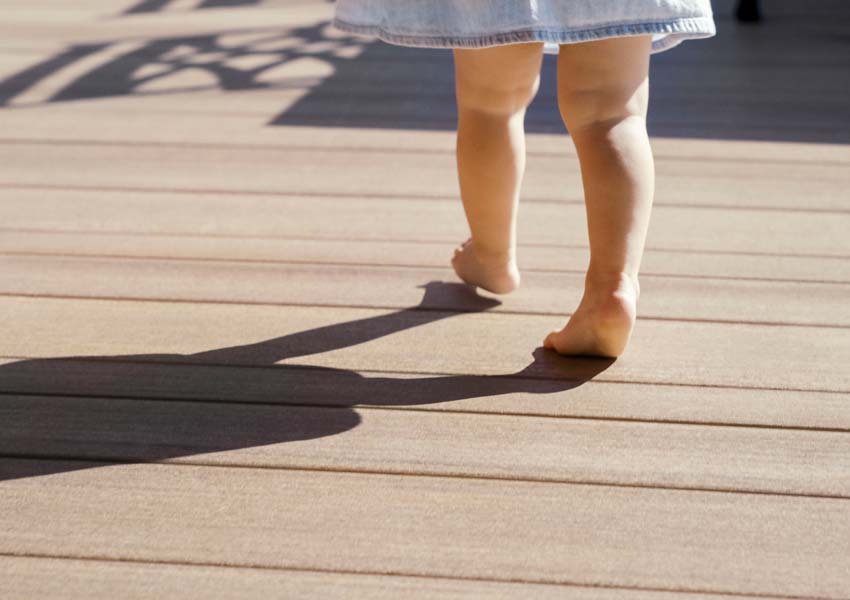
x=498 y=76
x=604 y=76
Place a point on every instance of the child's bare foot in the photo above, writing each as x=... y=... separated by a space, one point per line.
x=603 y=322
x=495 y=273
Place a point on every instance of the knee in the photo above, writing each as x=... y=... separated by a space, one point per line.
x=601 y=107
x=497 y=98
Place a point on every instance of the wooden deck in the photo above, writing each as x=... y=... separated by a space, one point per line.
x=235 y=363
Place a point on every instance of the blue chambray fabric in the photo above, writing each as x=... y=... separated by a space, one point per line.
x=483 y=23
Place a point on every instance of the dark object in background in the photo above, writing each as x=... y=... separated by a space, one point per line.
x=748 y=11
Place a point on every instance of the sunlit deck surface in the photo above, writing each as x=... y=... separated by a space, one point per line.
x=236 y=363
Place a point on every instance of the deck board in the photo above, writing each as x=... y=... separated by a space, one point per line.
x=512 y=395
x=667 y=298
x=298 y=250
x=68 y=579
x=743 y=355
x=810 y=463
x=240 y=118
x=271 y=214
x=581 y=534
x=807 y=188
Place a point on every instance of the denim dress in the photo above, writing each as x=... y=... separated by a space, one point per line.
x=483 y=23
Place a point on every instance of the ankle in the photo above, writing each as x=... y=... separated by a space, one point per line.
x=494 y=256
x=604 y=284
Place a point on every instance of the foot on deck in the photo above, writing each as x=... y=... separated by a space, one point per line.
x=495 y=273
x=603 y=322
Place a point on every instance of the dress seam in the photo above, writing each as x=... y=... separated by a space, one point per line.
x=690 y=26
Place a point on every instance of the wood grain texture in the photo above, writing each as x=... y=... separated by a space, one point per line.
x=738 y=355
x=702 y=299
x=813 y=463
x=240 y=118
x=69 y=579
x=434 y=254
x=577 y=534
x=405 y=218
x=279 y=170
x=47 y=27
x=511 y=395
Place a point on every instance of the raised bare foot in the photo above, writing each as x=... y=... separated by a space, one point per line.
x=495 y=273
x=603 y=322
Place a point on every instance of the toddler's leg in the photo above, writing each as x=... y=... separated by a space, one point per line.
x=494 y=86
x=603 y=90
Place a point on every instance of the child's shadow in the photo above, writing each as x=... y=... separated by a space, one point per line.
x=152 y=407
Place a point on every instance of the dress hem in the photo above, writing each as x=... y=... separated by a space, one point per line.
x=674 y=32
